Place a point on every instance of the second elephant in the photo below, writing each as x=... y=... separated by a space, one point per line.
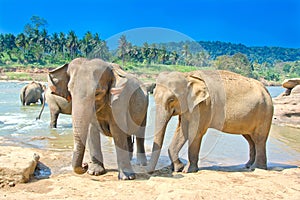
x=211 y=99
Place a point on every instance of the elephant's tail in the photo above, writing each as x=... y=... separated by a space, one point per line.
x=42 y=109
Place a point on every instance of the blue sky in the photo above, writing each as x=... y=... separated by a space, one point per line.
x=253 y=23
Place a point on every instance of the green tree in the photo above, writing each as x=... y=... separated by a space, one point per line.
x=123 y=48
x=72 y=44
x=186 y=54
x=86 y=44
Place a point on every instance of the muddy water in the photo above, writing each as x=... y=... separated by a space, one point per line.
x=19 y=127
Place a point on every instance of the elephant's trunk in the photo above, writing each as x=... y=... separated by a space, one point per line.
x=81 y=121
x=78 y=154
x=161 y=121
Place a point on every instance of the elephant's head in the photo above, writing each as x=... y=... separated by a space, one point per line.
x=175 y=94
x=85 y=81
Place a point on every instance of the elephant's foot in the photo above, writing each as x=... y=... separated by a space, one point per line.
x=96 y=169
x=125 y=175
x=248 y=164
x=259 y=166
x=141 y=159
x=190 y=167
x=82 y=169
x=177 y=166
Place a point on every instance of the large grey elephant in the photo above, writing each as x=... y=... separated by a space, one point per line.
x=32 y=93
x=56 y=104
x=108 y=100
x=211 y=99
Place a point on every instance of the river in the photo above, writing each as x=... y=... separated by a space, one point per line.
x=19 y=127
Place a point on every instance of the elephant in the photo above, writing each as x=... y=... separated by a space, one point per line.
x=32 y=93
x=108 y=100
x=56 y=103
x=204 y=99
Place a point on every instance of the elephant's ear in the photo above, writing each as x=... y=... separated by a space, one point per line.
x=120 y=102
x=118 y=88
x=58 y=82
x=197 y=91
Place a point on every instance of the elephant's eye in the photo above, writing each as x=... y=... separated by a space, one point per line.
x=171 y=99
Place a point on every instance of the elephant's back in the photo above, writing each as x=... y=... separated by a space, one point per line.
x=57 y=102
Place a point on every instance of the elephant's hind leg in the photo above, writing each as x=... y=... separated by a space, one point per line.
x=123 y=156
x=260 y=151
x=251 y=151
x=140 y=153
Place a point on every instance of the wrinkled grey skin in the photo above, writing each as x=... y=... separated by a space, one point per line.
x=211 y=99
x=108 y=100
x=32 y=93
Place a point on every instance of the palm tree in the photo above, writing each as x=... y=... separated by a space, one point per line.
x=45 y=41
x=174 y=57
x=72 y=44
x=55 y=43
x=86 y=43
x=185 y=53
x=62 y=43
x=145 y=52
x=22 y=42
x=122 y=48
x=153 y=53
x=163 y=55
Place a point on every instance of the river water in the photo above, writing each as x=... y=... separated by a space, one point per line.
x=19 y=127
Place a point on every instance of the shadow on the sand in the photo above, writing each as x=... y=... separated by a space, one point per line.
x=167 y=171
x=242 y=168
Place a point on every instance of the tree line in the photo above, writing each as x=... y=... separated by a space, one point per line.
x=35 y=46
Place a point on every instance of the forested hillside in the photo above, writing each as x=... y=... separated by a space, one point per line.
x=36 y=47
x=254 y=54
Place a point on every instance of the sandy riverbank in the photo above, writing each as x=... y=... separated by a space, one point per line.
x=231 y=182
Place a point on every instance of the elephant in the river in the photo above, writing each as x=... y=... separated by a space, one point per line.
x=32 y=93
x=56 y=104
x=211 y=99
x=108 y=100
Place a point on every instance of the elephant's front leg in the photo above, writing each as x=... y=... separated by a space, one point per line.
x=179 y=139
x=96 y=166
x=196 y=129
x=123 y=154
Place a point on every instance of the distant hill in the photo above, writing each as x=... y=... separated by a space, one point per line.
x=254 y=54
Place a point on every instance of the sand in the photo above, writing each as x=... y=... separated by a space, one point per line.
x=211 y=183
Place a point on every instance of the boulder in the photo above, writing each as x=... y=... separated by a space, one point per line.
x=17 y=165
x=291 y=83
x=287 y=108
x=296 y=90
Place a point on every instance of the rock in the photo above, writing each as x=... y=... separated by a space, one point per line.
x=287 y=110
x=17 y=165
x=296 y=90
x=291 y=83
x=11 y=184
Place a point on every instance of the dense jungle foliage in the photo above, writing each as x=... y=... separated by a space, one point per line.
x=36 y=47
